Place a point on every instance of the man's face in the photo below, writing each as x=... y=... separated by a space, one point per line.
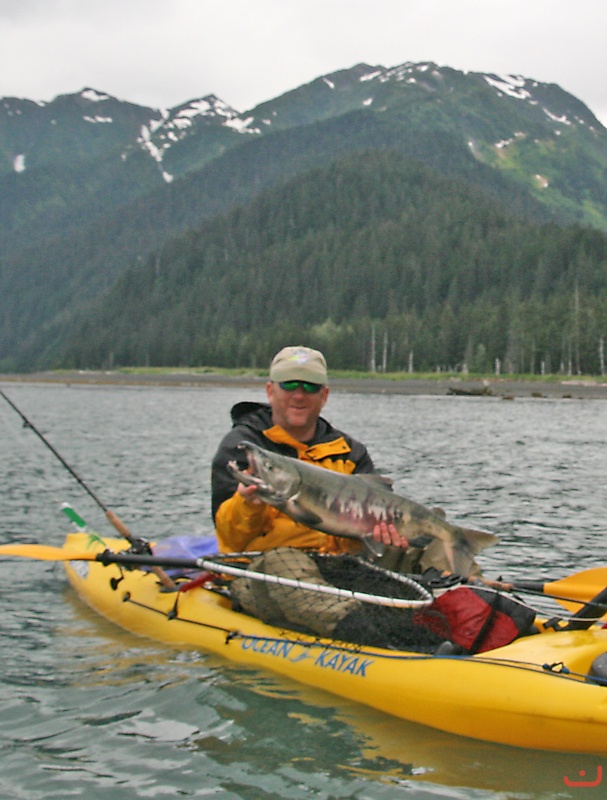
x=296 y=411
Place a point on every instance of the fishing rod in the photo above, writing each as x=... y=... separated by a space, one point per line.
x=28 y=424
x=220 y=565
x=113 y=518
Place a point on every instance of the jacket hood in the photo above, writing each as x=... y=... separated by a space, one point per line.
x=246 y=407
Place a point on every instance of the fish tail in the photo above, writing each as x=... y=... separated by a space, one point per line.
x=478 y=540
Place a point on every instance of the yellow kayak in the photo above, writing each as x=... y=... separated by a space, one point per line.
x=533 y=693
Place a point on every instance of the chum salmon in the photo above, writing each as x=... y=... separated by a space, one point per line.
x=352 y=505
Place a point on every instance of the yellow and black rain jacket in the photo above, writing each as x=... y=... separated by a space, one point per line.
x=244 y=526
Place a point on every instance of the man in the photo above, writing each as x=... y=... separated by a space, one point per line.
x=289 y=424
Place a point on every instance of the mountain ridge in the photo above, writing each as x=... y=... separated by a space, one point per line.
x=91 y=185
x=355 y=87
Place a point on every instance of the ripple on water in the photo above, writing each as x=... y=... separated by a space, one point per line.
x=88 y=710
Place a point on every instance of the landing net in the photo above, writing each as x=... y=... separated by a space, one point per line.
x=340 y=597
x=344 y=577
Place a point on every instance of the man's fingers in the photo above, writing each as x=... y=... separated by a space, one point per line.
x=387 y=534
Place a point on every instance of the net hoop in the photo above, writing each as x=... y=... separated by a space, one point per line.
x=424 y=599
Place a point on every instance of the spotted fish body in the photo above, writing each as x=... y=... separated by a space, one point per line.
x=351 y=505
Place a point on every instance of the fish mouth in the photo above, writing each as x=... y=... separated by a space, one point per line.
x=248 y=478
x=253 y=476
x=253 y=469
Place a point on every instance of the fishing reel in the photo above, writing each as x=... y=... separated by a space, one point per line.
x=437 y=581
x=139 y=547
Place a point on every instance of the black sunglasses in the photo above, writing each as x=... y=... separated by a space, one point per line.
x=309 y=388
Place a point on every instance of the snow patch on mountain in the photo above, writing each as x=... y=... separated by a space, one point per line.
x=506 y=142
x=160 y=134
x=243 y=125
x=562 y=119
x=94 y=96
x=512 y=85
x=371 y=75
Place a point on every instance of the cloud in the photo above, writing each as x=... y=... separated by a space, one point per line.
x=164 y=52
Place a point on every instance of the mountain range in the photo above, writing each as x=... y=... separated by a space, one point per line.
x=92 y=187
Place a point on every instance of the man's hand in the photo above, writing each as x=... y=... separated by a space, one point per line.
x=387 y=534
x=248 y=494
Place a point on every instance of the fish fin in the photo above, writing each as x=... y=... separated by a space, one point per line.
x=457 y=555
x=302 y=515
x=446 y=558
x=377 y=549
x=421 y=541
x=376 y=480
x=478 y=540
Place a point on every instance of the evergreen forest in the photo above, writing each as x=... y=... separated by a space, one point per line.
x=374 y=258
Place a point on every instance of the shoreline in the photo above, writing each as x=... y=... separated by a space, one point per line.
x=467 y=387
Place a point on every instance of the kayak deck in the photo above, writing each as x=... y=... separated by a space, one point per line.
x=531 y=693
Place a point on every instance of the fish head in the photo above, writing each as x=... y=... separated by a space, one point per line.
x=276 y=477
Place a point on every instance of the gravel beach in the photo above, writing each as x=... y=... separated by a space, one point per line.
x=496 y=387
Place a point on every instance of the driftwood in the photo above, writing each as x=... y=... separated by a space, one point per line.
x=476 y=391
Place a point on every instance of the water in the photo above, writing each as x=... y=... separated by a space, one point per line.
x=88 y=710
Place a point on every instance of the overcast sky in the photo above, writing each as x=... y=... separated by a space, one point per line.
x=161 y=53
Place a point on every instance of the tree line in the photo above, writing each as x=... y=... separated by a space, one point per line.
x=375 y=259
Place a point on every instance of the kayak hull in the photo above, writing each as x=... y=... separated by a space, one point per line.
x=532 y=693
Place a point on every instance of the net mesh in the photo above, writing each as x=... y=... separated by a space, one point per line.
x=341 y=617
